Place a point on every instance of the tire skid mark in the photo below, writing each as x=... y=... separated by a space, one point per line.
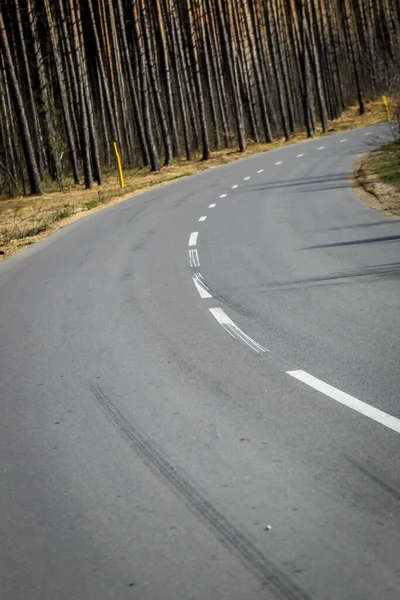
x=279 y=583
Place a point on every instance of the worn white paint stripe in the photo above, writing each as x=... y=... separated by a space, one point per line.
x=194 y=260
x=260 y=171
x=221 y=316
x=247 y=178
x=369 y=133
x=321 y=148
x=212 y=206
x=299 y=155
x=234 y=187
x=201 y=286
x=202 y=219
x=235 y=331
x=343 y=141
x=362 y=407
x=193 y=238
x=278 y=163
x=223 y=195
x=243 y=337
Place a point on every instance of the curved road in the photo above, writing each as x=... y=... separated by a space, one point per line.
x=207 y=408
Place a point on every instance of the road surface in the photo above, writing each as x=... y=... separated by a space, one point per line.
x=200 y=392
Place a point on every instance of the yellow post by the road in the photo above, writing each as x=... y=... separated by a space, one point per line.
x=121 y=175
x=386 y=105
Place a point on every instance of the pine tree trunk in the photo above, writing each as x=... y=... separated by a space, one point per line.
x=154 y=162
x=29 y=153
x=192 y=43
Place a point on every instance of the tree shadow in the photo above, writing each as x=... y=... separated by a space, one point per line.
x=377 y=240
x=384 y=272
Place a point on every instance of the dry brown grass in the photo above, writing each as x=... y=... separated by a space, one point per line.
x=377 y=177
x=25 y=220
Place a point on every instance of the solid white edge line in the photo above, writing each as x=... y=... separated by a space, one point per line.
x=200 y=288
x=212 y=206
x=202 y=219
x=362 y=407
x=193 y=238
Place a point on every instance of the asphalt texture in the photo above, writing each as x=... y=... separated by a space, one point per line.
x=149 y=450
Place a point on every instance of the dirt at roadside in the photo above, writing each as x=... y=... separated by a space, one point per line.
x=377 y=194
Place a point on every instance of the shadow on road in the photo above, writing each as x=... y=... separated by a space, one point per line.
x=387 y=272
x=377 y=240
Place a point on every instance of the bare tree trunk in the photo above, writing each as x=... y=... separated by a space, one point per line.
x=197 y=79
x=29 y=153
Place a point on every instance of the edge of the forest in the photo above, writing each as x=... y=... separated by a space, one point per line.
x=24 y=221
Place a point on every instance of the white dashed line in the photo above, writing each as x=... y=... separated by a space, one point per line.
x=234 y=187
x=260 y=171
x=321 y=148
x=369 y=133
x=194 y=260
x=299 y=155
x=212 y=206
x=202 y=219
x=247 y=178
x=193 y=238
x=278 y=163
x=365 y=409
x=223 y=195
x=201 y=286
x=235 y=331
x=343 y=141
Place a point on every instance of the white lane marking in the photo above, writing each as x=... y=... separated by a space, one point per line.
x=247 y=178
x=202 y=219
x=193 y=238
x=278 y=163
x=369 y=133
x=234 y=187
x=221 y=316
x=235 y=331
x=321 y=148
x=194 y=260
x=343 y=141
x=201 y=286
x=212 y=206
x=260 y=171
x=365 y=409
x=299 y=155
x=223 y=195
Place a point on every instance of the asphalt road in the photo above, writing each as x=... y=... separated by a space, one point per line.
x=154 y=449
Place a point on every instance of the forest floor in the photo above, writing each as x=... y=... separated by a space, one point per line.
x=377 y=178
x=26 y=220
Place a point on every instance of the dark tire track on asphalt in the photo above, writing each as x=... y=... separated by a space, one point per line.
x=272 y=577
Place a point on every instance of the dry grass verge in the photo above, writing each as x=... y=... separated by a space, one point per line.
x=26 y=220
x=378 y=177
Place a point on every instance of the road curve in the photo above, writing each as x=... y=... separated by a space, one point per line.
x=200 y=392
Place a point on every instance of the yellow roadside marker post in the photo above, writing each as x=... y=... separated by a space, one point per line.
x=121 y=175
x=386 y=105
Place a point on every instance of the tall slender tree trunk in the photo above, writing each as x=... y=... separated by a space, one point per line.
x=192 y=42
x=151 y=146
x=29 y=153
